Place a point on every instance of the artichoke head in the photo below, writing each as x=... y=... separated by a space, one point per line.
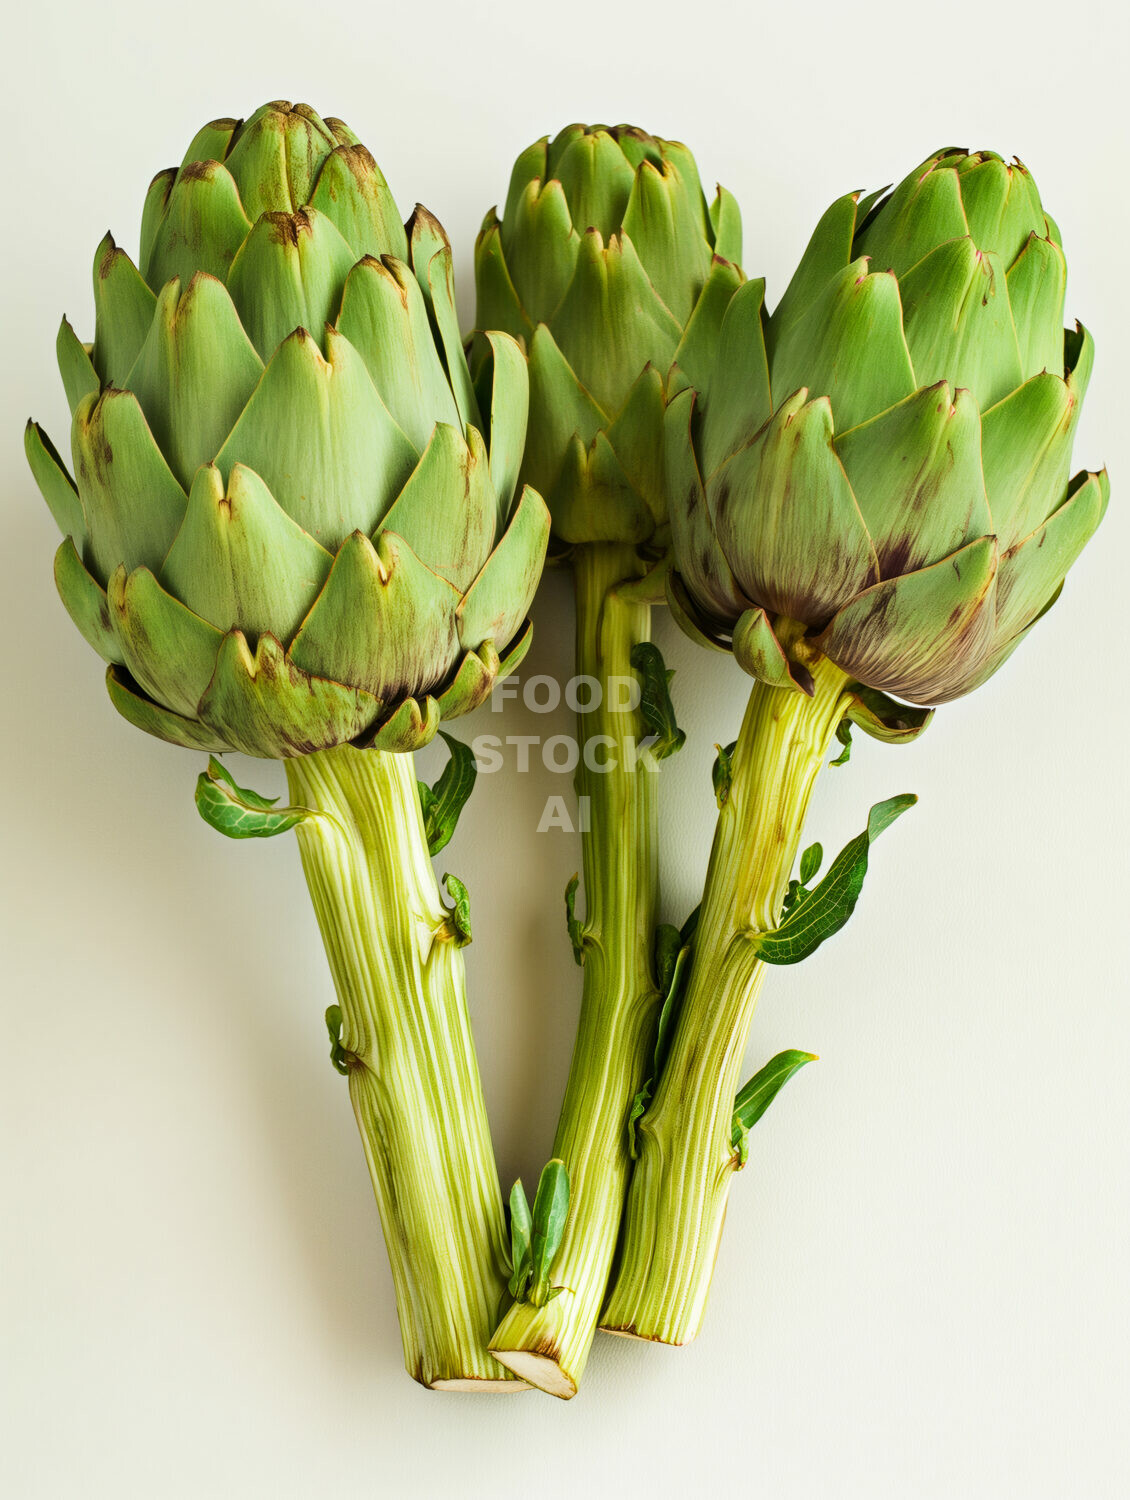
x=881 y=469
x=292 y=522
x=613 y=271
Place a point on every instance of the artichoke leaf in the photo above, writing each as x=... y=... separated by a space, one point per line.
x=849 y=346
x=201 y=229
x=275 y=157
x=925 y=210
x=636 y=438
x=884 y=719
x=736 y=393
x=706 y=572
x=447 y=512
x=123 y=311
x=80 y=378
x=758 y=651
x=194 y=373
x=86 y=603
x=919 y=636
x=321 y=439
x=130 y=497
x=611 y=322
x=497 y=302
x=958 y=321
x=169 y=651
x=263 y=704
x=474 y=678
x=915 y=471
x=1031 y=571
x=543 y=245
x=1026 y=454
x=212 y=142
x=143 y=713
x=1037 y=284
x=238 y=559
x=352 y=191
x=694 y=358
x=560 y=407
x=597 y=180
x=384 y=621
x=55 y=483
x=726 y=222
x=496 y=603
x=671 y=243
x=787 y=520
x=289 y=273
x=504 y=393
x=827 y=252
x=385 y=318
x=410 y=727
x=431 y=261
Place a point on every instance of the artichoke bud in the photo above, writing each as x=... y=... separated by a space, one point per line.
x=609 y=265
x=292 y=524
x=886 y=459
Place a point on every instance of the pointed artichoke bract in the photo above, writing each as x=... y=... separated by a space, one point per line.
x=615 y=273
x=886 y=459
x=295 y=521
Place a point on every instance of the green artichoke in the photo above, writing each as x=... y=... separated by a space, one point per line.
x=610 y=267
x=288 y=530
x=889 y=464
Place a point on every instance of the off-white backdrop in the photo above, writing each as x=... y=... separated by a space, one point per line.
x=922 y=1290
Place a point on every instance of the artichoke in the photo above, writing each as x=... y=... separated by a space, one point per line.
x=288 y=531
x=611 y=268
x=889 y=466
x=874 y=499
x=294 y=534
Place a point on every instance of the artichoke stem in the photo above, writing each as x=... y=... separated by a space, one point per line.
x=677 y=1200
x=549 y=1345
x=413 y=1078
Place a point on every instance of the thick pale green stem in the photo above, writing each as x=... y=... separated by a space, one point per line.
x=413 y=1078
x=680 y=1186
x=549 y=1345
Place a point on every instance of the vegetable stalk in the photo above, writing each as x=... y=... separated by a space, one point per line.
x=687 y=1157
x=405 y=1041
x=549 y=1345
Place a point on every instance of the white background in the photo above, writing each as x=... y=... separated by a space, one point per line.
x=922 y=1290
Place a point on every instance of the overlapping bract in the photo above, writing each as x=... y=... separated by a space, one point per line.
x=886 y=459
x=608 y=263
x=292 y=527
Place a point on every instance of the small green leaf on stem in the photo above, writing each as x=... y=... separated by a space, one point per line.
x=843 y=734
x=573 y=923
x=236 y=811
x=656 y=708
x=672 y=952
x=442 y=803
x=813 y=916
x=810 y=862
x=339 y=1057
x=551 y=1210
x=758 y=1094
x=458 y=916
x=520 y=1245
x=665 y=949
x=722 y=774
